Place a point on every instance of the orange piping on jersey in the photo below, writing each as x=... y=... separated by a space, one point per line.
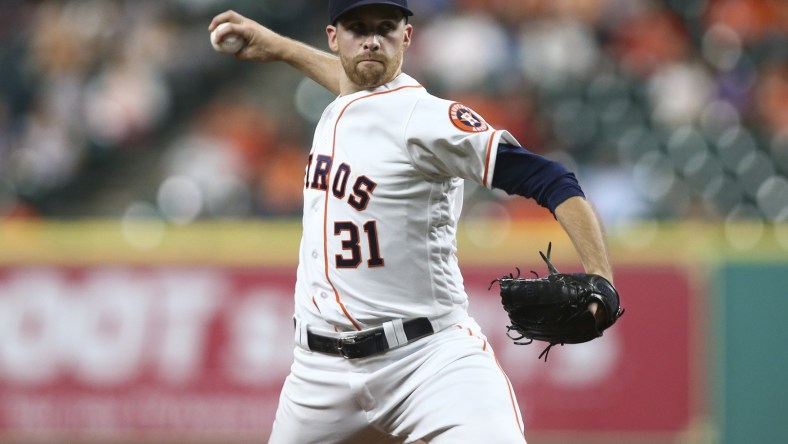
x=325 y=206
x=487 y=161
x=511 y=394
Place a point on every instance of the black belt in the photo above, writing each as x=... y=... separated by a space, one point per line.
x=367 y=343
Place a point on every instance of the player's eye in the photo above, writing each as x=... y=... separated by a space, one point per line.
x=386 y=27
x=355 y=27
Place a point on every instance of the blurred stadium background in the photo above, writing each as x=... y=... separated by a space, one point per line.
x=136 y=163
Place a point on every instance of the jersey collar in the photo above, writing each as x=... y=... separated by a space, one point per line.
x=401 y=80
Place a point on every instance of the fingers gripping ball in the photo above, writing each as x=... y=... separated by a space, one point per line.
x=231 y=43
x=555 y=308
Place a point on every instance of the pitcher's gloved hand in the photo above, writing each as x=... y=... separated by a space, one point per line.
x=555 y=308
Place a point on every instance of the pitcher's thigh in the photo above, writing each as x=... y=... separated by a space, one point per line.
x=317 y=406
x=469 y=401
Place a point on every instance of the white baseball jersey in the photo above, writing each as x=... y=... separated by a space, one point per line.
x=382 y=197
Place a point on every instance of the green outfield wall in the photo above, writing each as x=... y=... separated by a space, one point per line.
x=751 y=342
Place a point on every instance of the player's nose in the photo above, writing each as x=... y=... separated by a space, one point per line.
x=371 y=43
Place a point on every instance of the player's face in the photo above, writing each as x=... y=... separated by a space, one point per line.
x=371 y=42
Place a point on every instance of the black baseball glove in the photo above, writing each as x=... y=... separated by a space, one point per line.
x=554 y=308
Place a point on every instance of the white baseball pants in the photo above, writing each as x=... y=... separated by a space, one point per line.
x=446 y=388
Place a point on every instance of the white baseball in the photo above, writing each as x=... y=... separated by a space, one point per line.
x=231 y=43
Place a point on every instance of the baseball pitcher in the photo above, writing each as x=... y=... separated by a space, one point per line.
x=385 y=351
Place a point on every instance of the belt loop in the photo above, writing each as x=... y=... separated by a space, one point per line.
x=391 y=335
x=301 y=334
x=399 y=332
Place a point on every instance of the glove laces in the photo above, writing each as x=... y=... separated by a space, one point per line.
x=517 y=341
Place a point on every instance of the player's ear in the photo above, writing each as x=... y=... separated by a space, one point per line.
x=407 y=35
x=331 y=33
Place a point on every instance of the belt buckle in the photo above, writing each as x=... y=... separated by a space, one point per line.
x=344 y=341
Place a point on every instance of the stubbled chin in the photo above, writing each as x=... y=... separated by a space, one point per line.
x=369 y=74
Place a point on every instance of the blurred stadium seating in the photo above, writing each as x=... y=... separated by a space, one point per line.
x=666 y=109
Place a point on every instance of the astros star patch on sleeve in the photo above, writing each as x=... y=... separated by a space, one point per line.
x=466 y=119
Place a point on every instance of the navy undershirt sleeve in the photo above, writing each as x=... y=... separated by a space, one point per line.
x=519 y=171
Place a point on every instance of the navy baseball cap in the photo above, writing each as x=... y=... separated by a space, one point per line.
x=339 y=7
